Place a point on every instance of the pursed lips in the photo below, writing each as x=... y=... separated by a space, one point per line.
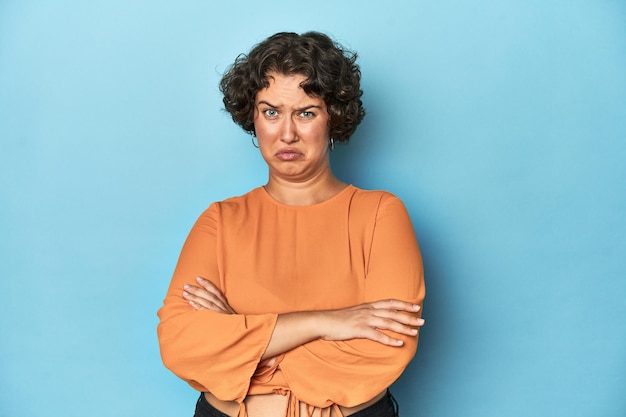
x=289 y=154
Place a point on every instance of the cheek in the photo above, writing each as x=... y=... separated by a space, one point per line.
x=321 y=132
x=263 y=128
x=259 y=123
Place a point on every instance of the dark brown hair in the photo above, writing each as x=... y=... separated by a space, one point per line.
x=330 y=70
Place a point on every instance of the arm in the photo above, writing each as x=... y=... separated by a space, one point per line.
x=364 y=321
x=211 y=351
x=342 y=341
x=394 y=270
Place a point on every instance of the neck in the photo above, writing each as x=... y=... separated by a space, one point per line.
x=304 y=193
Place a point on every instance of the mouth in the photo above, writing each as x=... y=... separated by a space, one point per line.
x=289 y=154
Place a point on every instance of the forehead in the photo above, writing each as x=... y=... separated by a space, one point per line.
x=286 y=90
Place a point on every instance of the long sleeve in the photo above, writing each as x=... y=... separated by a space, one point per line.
x=269 y=258
x=351 y=372
x=211 y=351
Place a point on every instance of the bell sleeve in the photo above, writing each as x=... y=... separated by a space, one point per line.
x=211 y=351
x=352 y=372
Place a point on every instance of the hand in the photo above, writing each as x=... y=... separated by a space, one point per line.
x=207 y=296
x=365 y=321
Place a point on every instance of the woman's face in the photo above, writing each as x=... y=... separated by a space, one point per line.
x=292 y=128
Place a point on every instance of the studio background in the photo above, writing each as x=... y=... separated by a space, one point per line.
x=501 y=125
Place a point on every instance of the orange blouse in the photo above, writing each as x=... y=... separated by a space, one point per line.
x=269 y=258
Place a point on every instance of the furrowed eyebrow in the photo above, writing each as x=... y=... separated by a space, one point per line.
x=309 y=108
x=268 y=104
x=305 y=108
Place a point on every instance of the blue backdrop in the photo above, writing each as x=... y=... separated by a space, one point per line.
x=502 y=126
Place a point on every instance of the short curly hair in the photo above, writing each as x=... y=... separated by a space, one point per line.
x=331 y=73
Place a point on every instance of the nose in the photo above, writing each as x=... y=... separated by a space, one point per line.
x=288 y=133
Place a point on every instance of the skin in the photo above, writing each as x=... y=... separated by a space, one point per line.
x=292 y=131
x=294 y=329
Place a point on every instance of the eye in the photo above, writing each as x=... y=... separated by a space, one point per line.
x=307 y=114
x=270 y=113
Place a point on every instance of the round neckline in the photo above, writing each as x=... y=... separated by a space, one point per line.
x=269 y=197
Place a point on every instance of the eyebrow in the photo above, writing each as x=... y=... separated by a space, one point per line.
x=312 y=106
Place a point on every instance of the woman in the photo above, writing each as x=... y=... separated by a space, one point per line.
x=301 y=297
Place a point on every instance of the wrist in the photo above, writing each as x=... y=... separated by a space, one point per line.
x=311 y=323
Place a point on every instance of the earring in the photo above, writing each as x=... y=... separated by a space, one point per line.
x=252 y=136
x=331 y=143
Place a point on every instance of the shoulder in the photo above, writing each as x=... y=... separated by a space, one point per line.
x=369 y=207
x=253 y=195
x=233 y=205
x=379 y=200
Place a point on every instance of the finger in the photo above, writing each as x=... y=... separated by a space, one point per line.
x=394 y=326
x=400 y=317
x=208 y=285
x=203 y=298
x=196 y=306
x=209 y=291
x=196 y=301
x=383 y=338
x=394 y=304
x=216 y=293
x=213 y=289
